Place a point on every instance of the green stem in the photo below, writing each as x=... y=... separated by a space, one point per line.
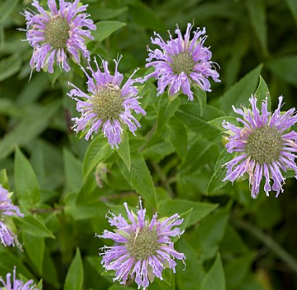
x=268 y=241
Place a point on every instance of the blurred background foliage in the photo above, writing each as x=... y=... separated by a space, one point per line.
x=256 y=238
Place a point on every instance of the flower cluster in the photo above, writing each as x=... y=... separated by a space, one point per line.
x=58 y=33
x=7 y=237
x=264 y=146
x=143 y=248
x=16 y=284
x=182 y=62
x=107 y=104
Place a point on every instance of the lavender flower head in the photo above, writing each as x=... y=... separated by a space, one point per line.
x=142 y=249
x=16 y=284
x=7 y=237
x=57 y=34
x=181 y=62
x=264 y=146
x=106 y=104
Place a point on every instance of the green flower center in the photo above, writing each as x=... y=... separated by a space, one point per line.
x=264 y=145
x=108 y=102
x=143 y=244
x=57 y=32
x=182 y=62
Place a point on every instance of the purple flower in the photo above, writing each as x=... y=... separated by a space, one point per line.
x=7 y=237
x=57 y=34
x=143 y=248
x=106 y=104
x=265 y=147
x=16 y=284
x=181 y=63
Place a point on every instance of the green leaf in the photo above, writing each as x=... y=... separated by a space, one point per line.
x=34 y=247
x=201 y=152
x=167 y=208
x=28 y=129
x=207 y=236
x=215 y=278
x=285 y=68
x=73 y=171
x=9 y=261
x=139 y=178
x=293 y=7
x=106 y=13
x=25 y=181
x=30 y=93
x=124 y=149
x=166 y=110
x=53 y=77
x=39 y=285
x=257 y=15
x=9 y=66
x=239 y=93
x=75 y=275
x=90 y=184
x=232 y=243
x=106 y=28
x=29 y=224
x=144 y=16
x=262 y=93
x=168 y=282
x=189 y=276
x=201 y=97
x=187 y=113
x=83 y=212
x=216 y=182
x=158 y=151
x=178 y=136
x=6 y=9
x=50 y=274
x=218 y=122
x=241 y=267
x=98 y=150
x=95 y=262
x=4 y=179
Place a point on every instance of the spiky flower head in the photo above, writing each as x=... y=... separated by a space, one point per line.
x=264 y=145
x=16 y=284
x=143 y=248
x=182 y=62
x=7 y=237
x=58 y=33
x=106 y=104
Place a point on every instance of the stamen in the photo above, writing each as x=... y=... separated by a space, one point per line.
x=264 y=145
x=108 y=102
x=57 y=32
x=182 y=62
x=143 y=244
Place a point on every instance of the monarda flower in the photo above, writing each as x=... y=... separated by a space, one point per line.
x=16 y=284
x=57 y=34
x=265 y=147
x=182 y=62
x=143 y=248
x=7 y=237
x=106 y=104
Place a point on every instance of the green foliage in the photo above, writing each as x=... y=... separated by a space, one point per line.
x=25 y=181
x=66 y=186
x=215 y=278
x=241 y=91
x=106 y=28
x=75 y=275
